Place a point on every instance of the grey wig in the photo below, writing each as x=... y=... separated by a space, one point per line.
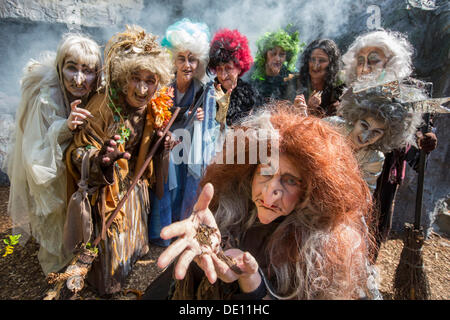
x=401 y=125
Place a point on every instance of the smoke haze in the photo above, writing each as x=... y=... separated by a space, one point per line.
x=321 y=18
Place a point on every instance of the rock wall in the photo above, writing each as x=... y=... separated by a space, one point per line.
x=99 y=13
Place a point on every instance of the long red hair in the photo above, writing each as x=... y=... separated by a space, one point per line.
x=321 y=248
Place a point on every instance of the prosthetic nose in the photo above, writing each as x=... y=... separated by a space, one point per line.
x=273 y=192
x=142 y=88
x=316 y=66
x=79 y=78
x=367 y=69
x=365 y=136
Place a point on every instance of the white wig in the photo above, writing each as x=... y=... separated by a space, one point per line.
x=185 y=35
x=395 y=46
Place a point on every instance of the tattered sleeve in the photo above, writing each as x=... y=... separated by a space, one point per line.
x=45 y=138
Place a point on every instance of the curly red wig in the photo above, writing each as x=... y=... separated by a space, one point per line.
x=230 y=45
x=321 y=249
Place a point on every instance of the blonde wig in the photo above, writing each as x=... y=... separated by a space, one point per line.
x=134 y=50
x=84 y=50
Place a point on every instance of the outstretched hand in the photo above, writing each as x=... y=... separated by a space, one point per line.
x=189 y=244
x=199 y=241
x=109 y=154
x=222 y=98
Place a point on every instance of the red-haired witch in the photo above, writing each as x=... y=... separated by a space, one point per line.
x=229 y=60
x=289 y=231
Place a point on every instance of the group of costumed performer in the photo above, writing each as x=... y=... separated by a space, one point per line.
x=54 y=90
x=380 y=57
x=117 y=139
x=195 y=126
x=275 y=65
x=60 y=112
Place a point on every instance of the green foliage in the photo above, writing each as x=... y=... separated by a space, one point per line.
x=90 y=248
x=10 y=243
x=124 y=132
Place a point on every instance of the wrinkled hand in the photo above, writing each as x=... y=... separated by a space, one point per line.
x=200 y=114
x=300 y=104
x=108 y=155
x=187 y=246
x=169 y=141
x=427 y=142
x=249 y=279
x=315 y=100
x=77 y=115
x=222 y=98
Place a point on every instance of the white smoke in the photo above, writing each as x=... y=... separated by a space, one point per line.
x=313 y=19
x=321 y=18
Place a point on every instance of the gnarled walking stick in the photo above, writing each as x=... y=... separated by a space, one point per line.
x=76 y=272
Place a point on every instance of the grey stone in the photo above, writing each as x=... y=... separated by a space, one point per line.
x=99 y=13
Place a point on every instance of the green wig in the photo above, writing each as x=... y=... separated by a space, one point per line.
x=284 y=39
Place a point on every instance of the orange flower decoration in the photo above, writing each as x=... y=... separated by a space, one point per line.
x=161 y=103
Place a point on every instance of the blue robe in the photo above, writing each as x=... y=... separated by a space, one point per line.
x=180 y=190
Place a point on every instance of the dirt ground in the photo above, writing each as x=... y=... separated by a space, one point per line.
x=21 y=277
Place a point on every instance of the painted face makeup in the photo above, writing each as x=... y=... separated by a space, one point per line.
x=227 y=74
x=140 y=88
x=318 y=64
x=78 y=78
x=276 y=195
x=366 y=132
x=275 y=58
x=370 y=60
x=186 y=64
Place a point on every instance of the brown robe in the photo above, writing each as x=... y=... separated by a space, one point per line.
x=127 y=238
